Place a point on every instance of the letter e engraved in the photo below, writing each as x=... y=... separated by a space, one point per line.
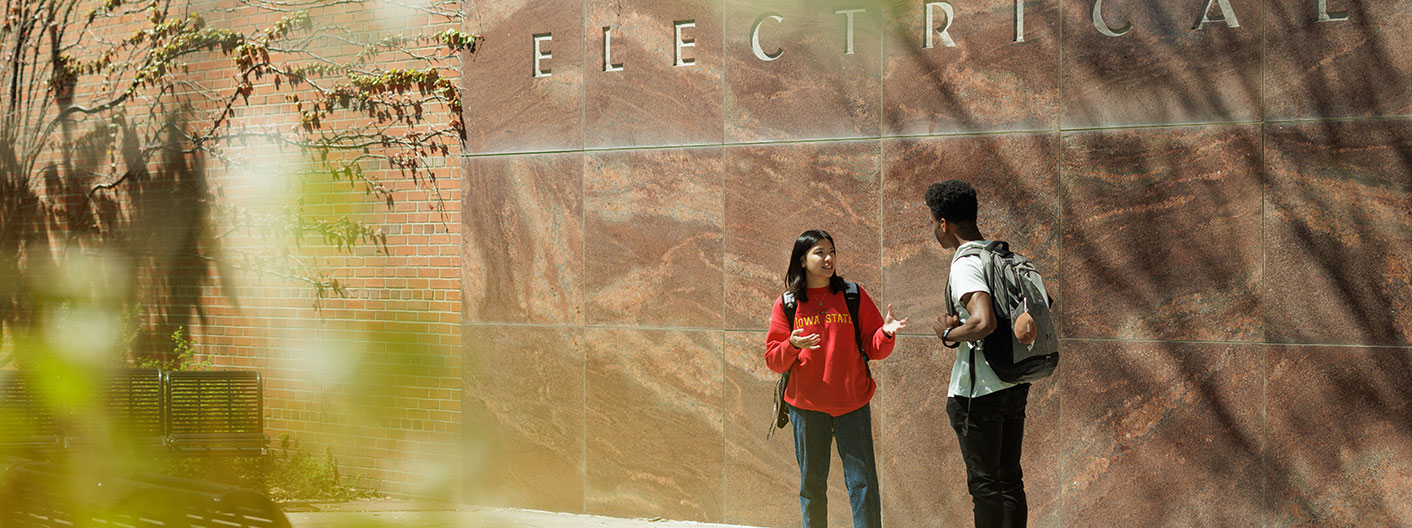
x=540 y=54
x=1227 y=15
x=1103 y=26
x=755 y=38
x=677 y=59
x=1326 y=16
x=932 y=30
x=608 y=65
x=848 y=28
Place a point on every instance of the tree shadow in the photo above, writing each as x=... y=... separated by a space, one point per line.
x=1361 y=265
x=143 y=245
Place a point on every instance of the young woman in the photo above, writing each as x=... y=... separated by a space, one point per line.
x=830 y=386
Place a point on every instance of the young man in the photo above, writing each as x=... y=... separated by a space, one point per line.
x=988 y=414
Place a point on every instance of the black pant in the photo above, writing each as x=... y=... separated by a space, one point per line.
x=990 y=445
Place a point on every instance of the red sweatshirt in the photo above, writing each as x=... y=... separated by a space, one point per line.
x=831 y=378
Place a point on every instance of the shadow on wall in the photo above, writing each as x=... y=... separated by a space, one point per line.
x=1202 y=267
x=1265 y=234
x=79 y=246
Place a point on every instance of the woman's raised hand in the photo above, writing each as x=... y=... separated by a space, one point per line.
x=892 y=326
x=798 y=340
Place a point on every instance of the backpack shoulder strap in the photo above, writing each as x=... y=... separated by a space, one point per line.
x=998 y=246
x=790 y=305
x=852 y=299
x=972 y=251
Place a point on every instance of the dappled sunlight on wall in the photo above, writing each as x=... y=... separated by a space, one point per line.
x=1219 y=199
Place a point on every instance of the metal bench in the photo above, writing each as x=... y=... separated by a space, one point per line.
x=214 y=412
x=27 y=423
x=202 y=413
x=132 y=400
x=41 y=495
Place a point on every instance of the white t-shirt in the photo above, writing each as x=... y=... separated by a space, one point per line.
x=968 y=276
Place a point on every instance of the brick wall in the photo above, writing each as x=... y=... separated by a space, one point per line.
x=372 y=376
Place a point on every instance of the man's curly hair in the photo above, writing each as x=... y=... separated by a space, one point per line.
x=953 y=201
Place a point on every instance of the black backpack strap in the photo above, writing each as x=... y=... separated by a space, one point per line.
x=950 y=309
x=790 y=305
x=853 y=299
x=998 y=246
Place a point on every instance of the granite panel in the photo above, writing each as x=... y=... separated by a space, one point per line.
x=1042 y=458
x=924 y=481
x=1340 y=436
x=1016 y=178
x=813 y=89
x=1162 y=70
x=653 y=237
x=1162 y=234
x=654 y=427
x=524 y=416
x=522 y=241
x=1356 y=65
x=762 y=476
x=773 y=193
x=1338 y=233
x=1161 y=434
x=507 y=108
x=987 y=81
x=650 y=100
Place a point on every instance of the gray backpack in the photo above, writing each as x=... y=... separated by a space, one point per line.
x=1015 y=288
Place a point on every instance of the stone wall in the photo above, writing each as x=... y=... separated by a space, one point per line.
x=1221 y=200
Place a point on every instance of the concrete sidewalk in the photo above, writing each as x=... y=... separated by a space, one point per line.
x=410 y=514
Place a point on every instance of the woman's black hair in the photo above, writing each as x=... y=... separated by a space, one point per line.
x=796 y=278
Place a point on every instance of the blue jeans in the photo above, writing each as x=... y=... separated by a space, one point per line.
x=813 y=433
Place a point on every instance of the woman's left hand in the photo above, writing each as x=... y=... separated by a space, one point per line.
x=892 y=326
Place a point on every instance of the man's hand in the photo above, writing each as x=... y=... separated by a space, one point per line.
x=944 y=323
x=798 y=340
x=976 y=327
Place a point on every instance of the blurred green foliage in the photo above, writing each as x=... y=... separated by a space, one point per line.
x=286 y=473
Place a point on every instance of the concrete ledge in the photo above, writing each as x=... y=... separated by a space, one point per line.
x=413 y=514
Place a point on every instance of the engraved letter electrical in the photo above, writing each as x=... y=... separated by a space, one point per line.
x=1019 y=20
x=540 y=55
x=848 y=28
x=1227 y=14
x=1103 y=26
x=608 y=65
x=1326 y=16
x=677 y=59
x=755 y=39
x=931 y=25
